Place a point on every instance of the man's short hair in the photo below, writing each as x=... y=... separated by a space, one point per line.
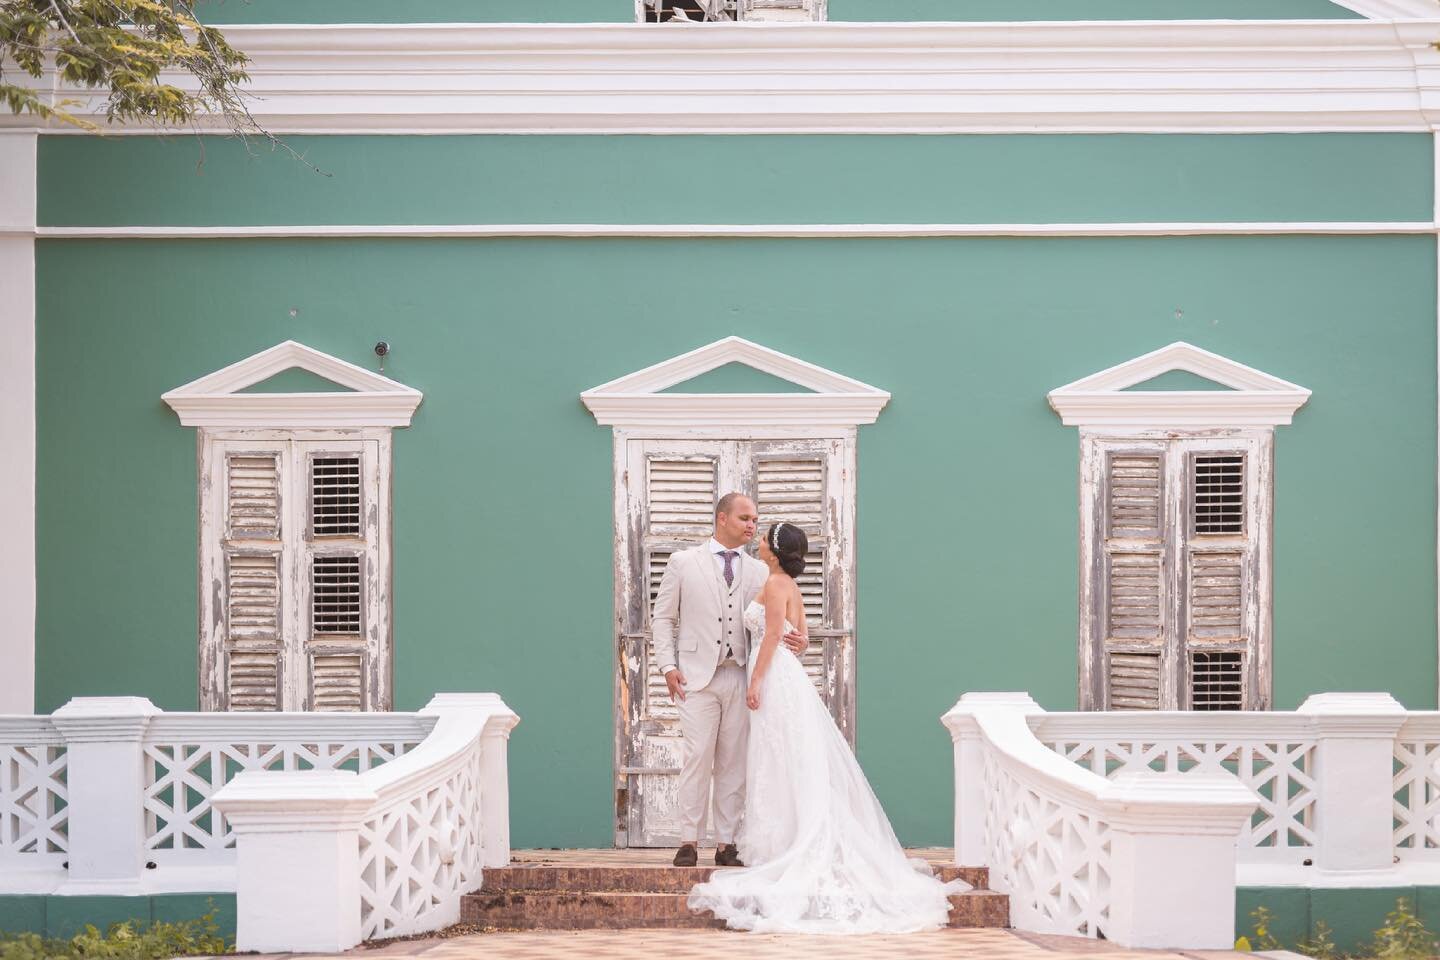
x=727 y=502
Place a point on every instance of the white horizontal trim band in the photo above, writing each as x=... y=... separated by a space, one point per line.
x=1120 y=76
x=821 y=230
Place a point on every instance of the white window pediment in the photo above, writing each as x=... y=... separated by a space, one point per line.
x=638 y=399
x=367 y=400
x=1251 y=398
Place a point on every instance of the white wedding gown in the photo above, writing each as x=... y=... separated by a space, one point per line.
x=820 y=854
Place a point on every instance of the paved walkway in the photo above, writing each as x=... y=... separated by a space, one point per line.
x=713 y=944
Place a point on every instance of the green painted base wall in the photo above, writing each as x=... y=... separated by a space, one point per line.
x=967 y=484
x=1353 y=915
x=63 y=917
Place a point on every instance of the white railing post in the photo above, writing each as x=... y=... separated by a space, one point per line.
x=1354 y=779
x=297 y=876
x=106 y=792
x=494 y=768
x=1172 y=850
x=970 y=768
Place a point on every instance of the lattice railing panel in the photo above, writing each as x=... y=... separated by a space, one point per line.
x=182 y=775
x=33 y=795
x=420 y=854
x=1051 y=857
x=1416 y=788
x=1280 y=772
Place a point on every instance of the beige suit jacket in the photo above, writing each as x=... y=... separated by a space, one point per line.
x=691 y=607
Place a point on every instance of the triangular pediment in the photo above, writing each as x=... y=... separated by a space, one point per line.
x=823 y=398
x=1118 y=396
x=364 y=398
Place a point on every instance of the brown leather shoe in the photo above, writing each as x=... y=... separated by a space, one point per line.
x=728 y=855
x=686 y=856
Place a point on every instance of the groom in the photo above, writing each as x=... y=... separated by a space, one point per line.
x=701 y=647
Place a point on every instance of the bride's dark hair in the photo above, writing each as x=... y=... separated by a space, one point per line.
x=789 y=544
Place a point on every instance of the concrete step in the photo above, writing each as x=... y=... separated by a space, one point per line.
x=640 y=879
x=564 y=910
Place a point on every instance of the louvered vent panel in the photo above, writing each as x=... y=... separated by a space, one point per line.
x=253 y=496
x=1134 y=681
x=1217 y=680
x=814 y=663
x=252 y=679
x=656 y=560
x=681 y=498
x=337 y=682
x=792 y=491
x=1219 y=485
x=658 y=702
x=335 y=497
x=335 y=596
x=1134 y=482
x=252 y=597
x=812 y=587
x=1215 y=593
x=1133 y=610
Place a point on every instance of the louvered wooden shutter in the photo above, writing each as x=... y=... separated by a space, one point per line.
x=336 y=550
x=1219 y=562
x=680 y=496
x=252 y=661
x=1134 y=580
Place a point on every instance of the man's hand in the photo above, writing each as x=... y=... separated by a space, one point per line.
x=675 y=680
x=797 y=642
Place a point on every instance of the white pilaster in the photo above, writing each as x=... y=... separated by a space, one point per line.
x=17 y=419
x=106 y=777
x=1354 y=775
x=297 y=859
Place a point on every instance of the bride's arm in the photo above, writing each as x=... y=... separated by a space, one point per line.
x=774 y=627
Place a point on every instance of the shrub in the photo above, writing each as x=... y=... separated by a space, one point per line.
x=123 y=941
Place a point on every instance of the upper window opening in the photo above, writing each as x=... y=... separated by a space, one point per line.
x=721 y=11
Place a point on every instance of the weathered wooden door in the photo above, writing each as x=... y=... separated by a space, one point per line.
x=666 y=495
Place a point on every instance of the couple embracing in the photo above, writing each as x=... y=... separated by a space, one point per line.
x=792 y=807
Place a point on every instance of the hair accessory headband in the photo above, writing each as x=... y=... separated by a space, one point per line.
x=775 y=536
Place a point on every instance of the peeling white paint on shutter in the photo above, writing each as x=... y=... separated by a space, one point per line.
x=337 y=681
x=253 y=679
x=1134 y=680
x=294 y=571
x=1175 y=570
x=680 y=11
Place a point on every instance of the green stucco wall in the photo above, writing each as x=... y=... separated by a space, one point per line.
x=64 y=917
x=623 y=11
x=967 y=484
x=739 y=179
x=1352 y=915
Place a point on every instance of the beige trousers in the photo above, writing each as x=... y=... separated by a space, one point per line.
x=714 y=724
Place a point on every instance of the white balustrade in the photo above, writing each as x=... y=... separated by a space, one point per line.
x=111 y=795
x=382 y=853
x=1082 y=854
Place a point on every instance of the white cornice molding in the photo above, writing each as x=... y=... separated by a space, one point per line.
x=370 y=400
x=635 y=400
x=1151 y=76
x=1254 y=398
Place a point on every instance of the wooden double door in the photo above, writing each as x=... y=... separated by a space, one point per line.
x=666 y=492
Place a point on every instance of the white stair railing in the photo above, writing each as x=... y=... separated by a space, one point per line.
x=327 y=858
x=1078 y=853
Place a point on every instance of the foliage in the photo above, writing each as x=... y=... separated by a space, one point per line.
x=1322 y=945
x=121 y=47
x=1264 y=939
x=1402 y=937
x=123 y=941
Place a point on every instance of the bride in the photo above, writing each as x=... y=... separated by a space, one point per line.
x=821 y=853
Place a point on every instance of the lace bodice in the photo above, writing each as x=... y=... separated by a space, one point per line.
x=755 y=623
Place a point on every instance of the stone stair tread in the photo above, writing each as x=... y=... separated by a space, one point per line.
x=639 y=879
